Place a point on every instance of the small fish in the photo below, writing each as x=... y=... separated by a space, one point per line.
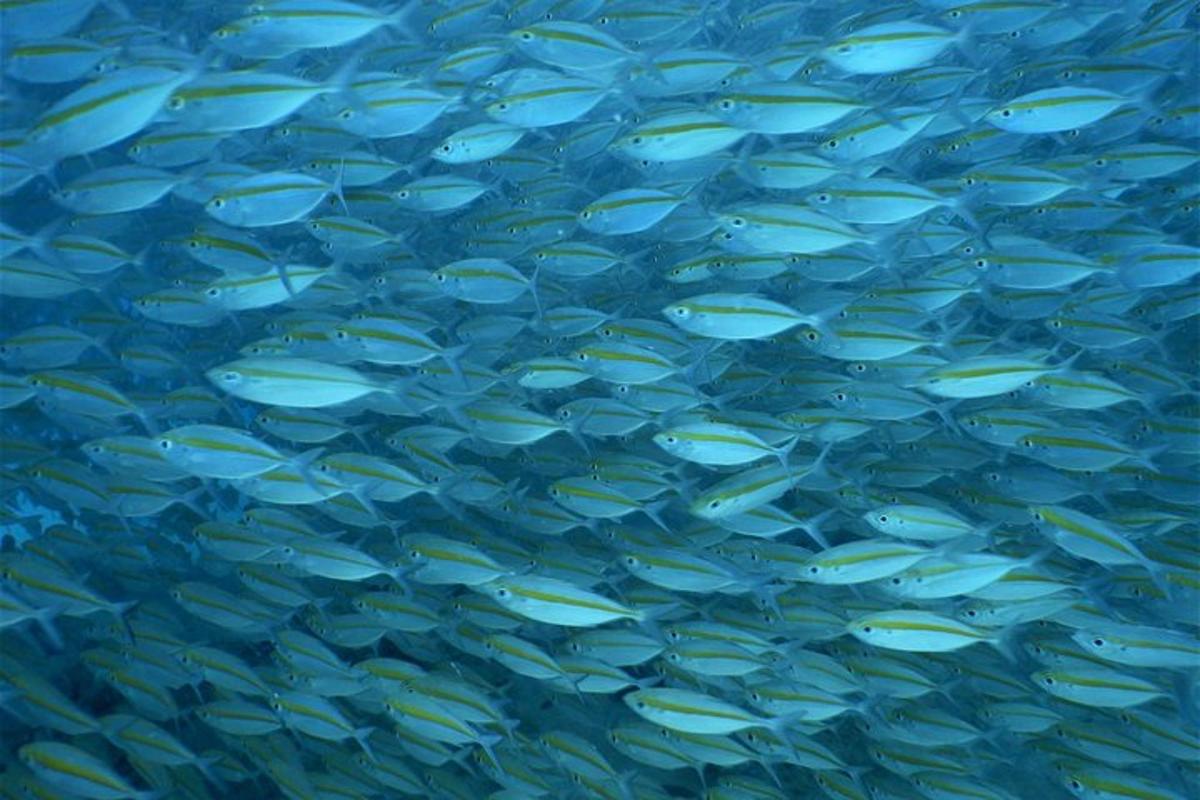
x=69 y=769
x=733 y=316
x=917 y=632
x=628 y=211
x=888 y=47
x=778 y=227
x=1058 y=109
x=1097 y=687
x=692 y=712
x=573 y=46
x=272 y=198
x=296 y=382
x=556 y=602
x=108 y=110
x=752 y=488
x=680 y=136
x=1139 y=645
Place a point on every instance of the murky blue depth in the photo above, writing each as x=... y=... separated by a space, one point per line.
x=593 y=400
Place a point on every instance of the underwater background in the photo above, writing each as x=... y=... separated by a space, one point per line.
x=599 y=399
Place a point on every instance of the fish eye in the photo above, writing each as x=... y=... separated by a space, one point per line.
x=503 y=593
x=164 y=444
x=737 y=222
x=814 y=569
x=822 y=198
x=883 y=518
x=715 y=504
x=176 y=103
x=446 y=148
x=217 y=202
x=526 y=36
x=867 y=629
x=726 y=105
x=1098 y=642
x=1006 y=113
x=585 y=214
x=1076 y=785
x=981 y=263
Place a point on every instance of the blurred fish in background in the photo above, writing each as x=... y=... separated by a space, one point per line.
x=599 y=399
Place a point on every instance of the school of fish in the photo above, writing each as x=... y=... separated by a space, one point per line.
x=600 y=399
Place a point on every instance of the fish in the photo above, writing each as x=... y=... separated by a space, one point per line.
x=599 y=399
x=63 y=766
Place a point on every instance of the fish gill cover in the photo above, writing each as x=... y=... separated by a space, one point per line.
x=599 y=399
